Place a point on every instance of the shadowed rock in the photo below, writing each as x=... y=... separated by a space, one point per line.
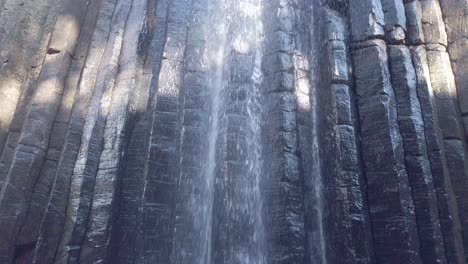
x=233 y=131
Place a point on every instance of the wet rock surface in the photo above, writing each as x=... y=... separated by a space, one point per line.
x=233 y=131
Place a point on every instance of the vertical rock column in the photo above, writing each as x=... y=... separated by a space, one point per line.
x=193 y=185
x=447 y=206
x=92 y=142
x=346 y=198
x=284 y=195
x=42 y=190
x=418 y=167
x=448 y=209
x=411 y=127
x=33 y=142
x=301 y=82
x=23 y=51
x=237 y=199
x=22 y=25
x=163 y=158
x=448 y=107
x=455 y=16
x=96 y=244
x=390 y=202
x=53 y=222
x=125 y=238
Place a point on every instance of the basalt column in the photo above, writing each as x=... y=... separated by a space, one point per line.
x=233 y=131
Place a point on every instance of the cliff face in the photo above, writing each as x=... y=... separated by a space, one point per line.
x=233 y=131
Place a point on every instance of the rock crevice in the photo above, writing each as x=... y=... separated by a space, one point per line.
x=233 y=131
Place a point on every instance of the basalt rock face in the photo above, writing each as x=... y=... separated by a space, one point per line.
x=233 y=131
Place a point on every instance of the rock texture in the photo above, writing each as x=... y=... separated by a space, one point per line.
x=233 y=131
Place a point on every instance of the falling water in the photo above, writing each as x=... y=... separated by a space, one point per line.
x=318 y=247
x=241 y=96
x=227 y=200
x=216 y=84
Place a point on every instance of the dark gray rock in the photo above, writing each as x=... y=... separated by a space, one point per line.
x=443 y=84
x=448 y=209
x=278 y=82
x=26 y=30
x=344 y=104
x=426 y=98
x=33 y=141
x=341 y=176
x=395 y=20
x=281 y=16
x=392 y=217
x=433 y=24
x=338 y=57
x=455 y=14
x=408 y=106
x=411 y=123
x=335 y=26
x=394 y=13
x=278 y=62
x=98 y=234
x=92 y=142
x=452 y=128
x=371 y=73
x=457 y=166
x=53 y=221
x=280 y=42
x=367 y=19
x=389 y=193
x=415 y=33
x=247 y=131
x=349 y=158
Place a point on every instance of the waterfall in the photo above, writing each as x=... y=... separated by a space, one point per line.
x=233 y=131
x=225 y=205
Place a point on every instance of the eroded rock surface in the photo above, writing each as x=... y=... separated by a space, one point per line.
x=233 y=131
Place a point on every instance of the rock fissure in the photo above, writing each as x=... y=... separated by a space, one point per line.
x=233 y=131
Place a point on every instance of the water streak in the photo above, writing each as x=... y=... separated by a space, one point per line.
x=233 y=54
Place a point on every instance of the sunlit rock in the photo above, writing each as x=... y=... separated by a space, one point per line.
x=233 y=131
